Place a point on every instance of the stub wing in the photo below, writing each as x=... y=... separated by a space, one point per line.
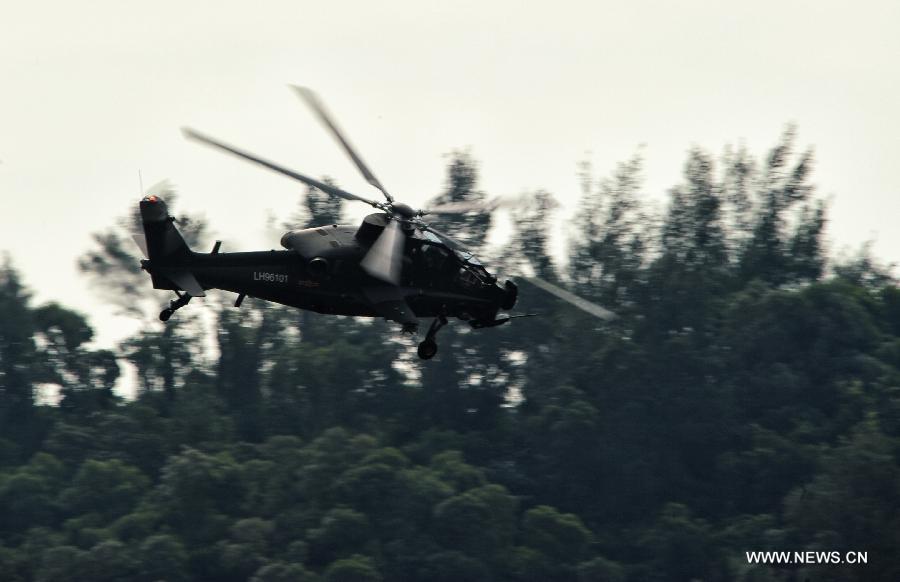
x=389 y=303
x=186 y=281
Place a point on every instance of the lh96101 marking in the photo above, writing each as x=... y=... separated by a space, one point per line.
x=270 y=277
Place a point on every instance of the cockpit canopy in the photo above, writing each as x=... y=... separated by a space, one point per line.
x=471 y=271
x=463 y=255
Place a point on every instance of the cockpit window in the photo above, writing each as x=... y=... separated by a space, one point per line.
x=468 y=277
x=463 y=255
x=468 y=257
x=435 y=252
x=431 y=237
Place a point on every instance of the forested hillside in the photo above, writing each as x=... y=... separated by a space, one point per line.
x=746 y=399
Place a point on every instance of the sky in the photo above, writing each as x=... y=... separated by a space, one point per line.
x=95 y=92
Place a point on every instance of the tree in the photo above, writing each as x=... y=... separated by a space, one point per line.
x=601 y=570
x=342 y=532
x=864 y=270
x=196 y=492
x=86 y=377
x=470 y=228
x=110 y=561
x=18 y=361
x=850 y=505
x=449 y=566
x=682 y=548
x=559 y=536
x=356 y=568
x=609 y=244
x=242 y=342
x=317 y=209
x=530 y=242
x=60 y=563
x=28 y=494
x=282 y=572
x=107 y=488
x=692 y=266
x=164 y=357
x=162 y=557
x=772 y=253
x=479 y=522
x=246 y=549
x=693 y=235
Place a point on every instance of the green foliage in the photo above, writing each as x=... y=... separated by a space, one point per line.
x=452 y=469
x=851 y=502
x=109 y=488
x=448 y=566
x=162 y=557
x=246 y=550
x=741 y=402
x=196 y=492
x=560 y=537
x=341 y=532
x=110 y=561
x=19 y=370
x=479 y=522
x=682 y=547
x=356 y=568
x=530 y=244
x=601 y=570
x=281 y=572
x=612 y=240
x=60 y=563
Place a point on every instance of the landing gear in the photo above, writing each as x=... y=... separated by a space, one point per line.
x=428 y=348
x=174 y=305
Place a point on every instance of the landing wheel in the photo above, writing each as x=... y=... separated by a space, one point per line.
x=427 y=349
x=174 y=305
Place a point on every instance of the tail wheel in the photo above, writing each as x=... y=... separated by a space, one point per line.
x=165 y=314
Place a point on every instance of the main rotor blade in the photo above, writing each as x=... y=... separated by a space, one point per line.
x=318 y=108
x=462 y=207
x=575 y=300
x=190 y=133
x=385 y=257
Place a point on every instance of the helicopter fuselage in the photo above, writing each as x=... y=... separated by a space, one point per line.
x=321 y=272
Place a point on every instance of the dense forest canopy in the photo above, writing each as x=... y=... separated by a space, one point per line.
x=747 y=399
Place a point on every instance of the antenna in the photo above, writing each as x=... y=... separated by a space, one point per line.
x=141 y=182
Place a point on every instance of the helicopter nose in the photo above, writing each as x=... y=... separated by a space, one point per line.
x=511 y=293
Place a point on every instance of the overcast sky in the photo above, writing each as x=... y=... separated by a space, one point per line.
x=92 y=92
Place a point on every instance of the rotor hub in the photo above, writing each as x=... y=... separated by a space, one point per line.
x=404 y=210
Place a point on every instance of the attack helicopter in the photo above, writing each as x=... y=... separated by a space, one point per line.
x=393 y=265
